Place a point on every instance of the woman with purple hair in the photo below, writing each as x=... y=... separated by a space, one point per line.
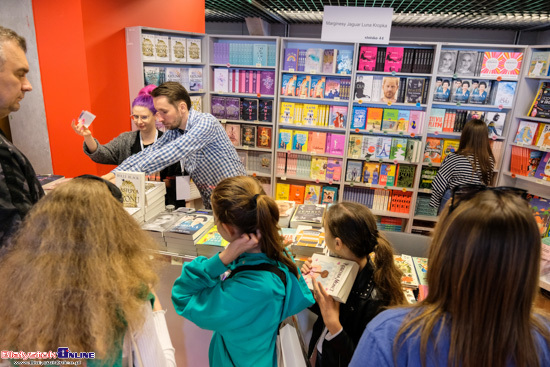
x=132 y=142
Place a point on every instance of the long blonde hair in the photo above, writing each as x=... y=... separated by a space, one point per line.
x=483 y=278
x=242 y=202
x=77 y=273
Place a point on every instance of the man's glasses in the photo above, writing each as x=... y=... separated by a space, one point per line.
x=136 y=118
x=467 y=192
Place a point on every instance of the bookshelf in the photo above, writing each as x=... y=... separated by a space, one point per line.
x=242 y=92
x=181 y=58
x=528 y=88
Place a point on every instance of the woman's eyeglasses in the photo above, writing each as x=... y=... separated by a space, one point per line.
x=466 y=192
x=136 y=118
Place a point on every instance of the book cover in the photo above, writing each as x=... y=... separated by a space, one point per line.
x=371 y=173
x=388 y=172
x=259 y=51
x=318 y=168
x=355 y=145
x=267 y=82
x=363 y=88
x=415 y=87
x=510 y=63
x=148 y=47
x=543 y=169
x=329 y=195
x=541 y=211
x=394 y=59
x=287 y=113
x=248 y=135
x=212 y=238
x=221 y=80
x=406 y=265
x=308 y=240
x=538 y=65
x=299 y=140
x=354 y=171
x=285 y=139
x=447 y=62
x=151 y=75
x=178 y=46
x=389 y=119
x=332 y=88
x=194 y=50
x=504 y=94
x=329 y=61
x=405 y=175
x=374 y=118
x=466 y=63
x=544 y=136
x=317 y=87
x=232 y=108
x=192 y=225
x=398 y=148
x=403 y=117
x=427 y=176
x=334 y=169
x=367 y=58
x=313 y=62
x=383 y=148
x=132 y=187
x=173 y=74
x=359 y=118
x=249 y=109
x=195 y=79
x=449 y=146
x=296 y=194
x=303 y=83
x=421 y=267
x=338 y=116
x=368 y=149
x=282 y=191
x=389 y=89
x=344 y=61
x=310 y=213
x=495 y=122
x=286 y=207
x=264 y=137
x=313 y=194
x=491 y=64
x=479 y=91
x=415 y=122
x=310 y=114
x=432 y=151
x=541 y=104
x=265 y=112
x=526 y=132
x=218 y=107
x=442 y=90
x=290 y=59
x=460 y=91
x=377 y=82
x=162 y=48
x=234 y=133
x=288 y=84
x=335 y=275
x=317 y=141
x=435 y=123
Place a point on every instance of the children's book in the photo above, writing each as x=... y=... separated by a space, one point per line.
x=318 y=168
x=539 y=63
x=329 y=194
x=526 y=132
x=282 y=191
x=543 y=170
x=541 y=104
x=313 y=194
x=544 y=136
x=334 y=274
x=449 y=146
x=334 y=170
x=297 y=193
x=290 y=59
x=406 y=265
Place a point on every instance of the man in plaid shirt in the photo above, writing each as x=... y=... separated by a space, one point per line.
x=196 y=139
x=19 y=187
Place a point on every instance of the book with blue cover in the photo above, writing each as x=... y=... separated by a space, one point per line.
x=344 y=61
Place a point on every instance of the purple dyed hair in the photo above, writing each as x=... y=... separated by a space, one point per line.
x=145 y=99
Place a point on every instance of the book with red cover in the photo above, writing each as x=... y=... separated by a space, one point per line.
x=367 y=58
x=394 y=59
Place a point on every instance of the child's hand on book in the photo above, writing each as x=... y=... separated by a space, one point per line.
x=247 y=242
x=330 y=309
x=306 y=266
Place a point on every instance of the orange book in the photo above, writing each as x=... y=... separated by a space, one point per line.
x=297 y=193
x=374 y=118
x=317 y=141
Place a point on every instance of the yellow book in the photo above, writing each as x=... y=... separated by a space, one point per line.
x=313 y=193
x=318 y=168
x=287 y=113
x=285 y=139
x=282 y=191
x=310 y=116
x=298 y=108
x=449 y=146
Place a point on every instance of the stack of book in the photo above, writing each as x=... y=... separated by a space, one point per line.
x=369 y=88
x=157 y=225
x=170 y=48
x=182 y=236
x=132 y=187
x=211 y=243
x=154 y=198
x=308 y=241
x=286 y=210
x=395 y=201
x=398 y=59
x=309 y=215
x=423 y=206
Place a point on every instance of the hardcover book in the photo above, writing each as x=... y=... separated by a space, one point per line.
x=447 y=62
x=318 y=168
x=363 y=88
x=403 y=118
x=541 y=104
x=313 y=194
x=405 y=175
x=195 y=79
x=374 y=118
x=265 y=113
x=338 y=116
x=526 y=132
x=299 y=140
x=288 y=85
x=162 y=48
x=267 y=82
x=371 y=173
x=394 y=59
x=427 y=176
x=317 y=141
x=308 y=214
x=435 y=123
x=389 y=120
x=151 y=75
x=317 y=87
x=249 y=109
x=415 y=87
x=344 y=61
x=334 y=170
x=510 y=63
x=383 y=148
x=192 y=225
x=221 y=80
x=406 y=265
x=442 y=89
x=218 y=107
x=287 y=113
x=504 y=94
x=460 y=91
x=132 y=187
x=466 y=63
x=329 y=195
x=398 y=148
x=354 y=171
x=359 y=118
x=329 y=61
x=178 y=46
x=264 y=137
x=291 y=59
x=432 y=151
x=232 y=108
x=148 y=47
x=367 y=58
x=248 y=135
x=495 y=122
x=194 y=50
x=332 y=88
x=544 y=136
x=449 y=146
x=479 y=91
x=234 y=133
x=540 y=61
x=308 y=240
x=173 y=74
x=335 y=275
x=491 y=64
x=285 y=139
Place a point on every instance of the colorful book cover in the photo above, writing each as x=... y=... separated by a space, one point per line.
x=504 y=95
x=421 y=267
x=495 y=123
x=287 y=113
x=317 y=141
x=355 y=145
x=162 y=48
x=267 y=82
x=544 y=136
x=291 y=59
x=192 y=224
x=288 y=84
x=383 y=148
x=541 y=104
x=221 y=80
x=310 y=115
x=543 y=170
x=218 y=107
x=265 y=113
x=449 y=146
x=318 y=168
x=374 y=118
x=329 y=61
x=442 y=90
x=435 y=123
x=390 y=171
x=403 y=117
x=249 y=109
x=329 y=195
x=389 y=119
x=479 y=91
x=541 y=211
x=427 y=176
x=337 y=144
x=359 y=118
x=334 y=169
x=368 y=149
x=398 y=148
x=132 y=186
x=303 y=83
x=232 y=108
x=195 y=79
x=148 y=47
x=313 y=61
x=151 y=75
x=461 y=90
x=248 y=136
x=354 y=171
x=338 y=116
x=406 y=265
x=371 y=173
x=194 y=47
x=332 y=88
x=317 y=88
x=212 y=238
x=282 y=191
x=299 y=140
x=394 y=59
x=344 y=61
x=433 y=150
x=539 y=63
x=285 y=139
x=313 y=194
x=297 y=193
x=363 y=88
x=234 y=133
x=526 y=132
x=367 y=58
x=491 y=64
x=264 y=137
x=510 y=63
x=405 y=175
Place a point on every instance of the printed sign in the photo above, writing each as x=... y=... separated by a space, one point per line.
x=357 y=24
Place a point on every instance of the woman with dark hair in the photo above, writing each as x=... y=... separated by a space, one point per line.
x=264 y=287
x=483 y=277
x=351 y=233
x=472 y=163
x=132 y=142
x=79 y=276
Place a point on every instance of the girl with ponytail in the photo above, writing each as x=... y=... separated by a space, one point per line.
x=264 y=287
x=351 y=233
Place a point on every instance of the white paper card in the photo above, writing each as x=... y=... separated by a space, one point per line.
x=86 y=118
x=357 y=24
x=183 y=188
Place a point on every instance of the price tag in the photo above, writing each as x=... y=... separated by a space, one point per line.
x=201 y=90
x=343 y=73
x=494 y=137
x=520 y=143
x=355 y=156
x=254 y=174
x=426 y=191
x=401 y=133
x=258 y=65
x=330 y=182
x=499 y=78
x=404 y=189
x=220 y=92
x=313 y=71
x=351 y=184
x=228 y=65
x=283 y=178
x=458 y=103
x=381 y=160
x=302 y=97
x=356 y=130
x=336 y=98
x=385 y=132
x=500 y=107
x=298 y=123
x=436 y=132
x=245 y=147
x=176 y=260
x=393 y=73
x=223 y=121
x=317 y=181
x=368 y=184
x=389 y=103
x=332 y=127
x=259 y=95
x=291 y=70
x=412 y=135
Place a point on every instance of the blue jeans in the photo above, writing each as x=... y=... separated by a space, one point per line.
x=446 y=196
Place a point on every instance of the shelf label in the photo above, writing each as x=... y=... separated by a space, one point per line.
x=283 y=178
x=336 y=98
x=312 y=71
x=223 y=121
x=220 y=92
x=245 y=147
x=176 y=260
x=355 y=156
x=368 y=184
x=302 y=97
x=356 y=24
x=291 y=70
x=258 y=65
x=201 y=90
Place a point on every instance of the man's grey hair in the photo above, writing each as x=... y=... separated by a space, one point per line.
x=7 y=35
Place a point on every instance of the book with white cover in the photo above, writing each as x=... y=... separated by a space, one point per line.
x=162 y=48
x=148 y=47
x=178 y=49
x=194 y=50
x=132 y=186
x=334 y=274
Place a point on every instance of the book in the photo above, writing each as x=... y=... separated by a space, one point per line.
x=449 y=146
x=495 y=122
x=427 y=176
x=132 y=187
x=313 y=194
x=526 y=132
x=318 y=168
x=367 y=58
x=383 y=148
x=162 y=48
x=285 y=139
x=194 y=50
x=371 y=173
x=543 y=169
x=406 y=265
x=403 y=118
x=218 y=107
x=267 y=82
x=297 y=193
x=541 y=103
x=329 y=194
x=504 y=94
x=287 y=113
x=447 y=62
x=332 y=88
x=282 y=192
x=232 y=108
x=221 y=80
x=178 y=47
x=264 y=137
x=510 y=63
x=491 y=64
x=466 y=63
x=211 y=243
x=435 y=123
x=196 y=103
x=398 y=148
x=374 y=118
x=405 y=175
x=308 y=240
x=539 y=63
x=234 y=133
x=363 y=88
x=394 y=59
x=317 y=86
x=191 y=225
x=329 y=61
x=290 y=59
x=265 y=112
x=334 y=274
x=313 y=62
x=308 y=214
x=195 y=79
x=460 y=91
x=354 y=171
x=389 y=119
x=334 y=169
x=148 y=47
x=479 y=91
x=299 y=140
x=248 y=136
x=359 y=119
x=442 y=90
x=433 y=150
x=151 y=75
x=344 y=61
x=421 y=268
x=249 y=109
x=543 y=140
x=415 y=87
x=288 y=85
x=338 y=116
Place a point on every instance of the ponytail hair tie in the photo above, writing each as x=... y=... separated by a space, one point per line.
x=374 y=236
x=255 y=200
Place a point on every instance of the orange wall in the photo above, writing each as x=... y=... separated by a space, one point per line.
x=82 y=55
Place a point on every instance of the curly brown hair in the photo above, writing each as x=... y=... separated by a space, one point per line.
x=76 y=275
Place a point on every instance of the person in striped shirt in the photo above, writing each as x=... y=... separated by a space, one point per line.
x=472 y=163
x=195 y=139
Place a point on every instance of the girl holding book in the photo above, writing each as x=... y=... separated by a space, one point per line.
x=78 y=275
x=483 y=277
x=351 y=233
x=264 y=287
x=472 y=163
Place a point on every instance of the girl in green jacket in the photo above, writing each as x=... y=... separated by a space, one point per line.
x=244 y=311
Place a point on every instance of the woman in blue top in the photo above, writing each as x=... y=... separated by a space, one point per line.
x=244 y=310
x=483 y=277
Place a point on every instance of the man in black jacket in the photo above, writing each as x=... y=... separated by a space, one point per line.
x=19 y=188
